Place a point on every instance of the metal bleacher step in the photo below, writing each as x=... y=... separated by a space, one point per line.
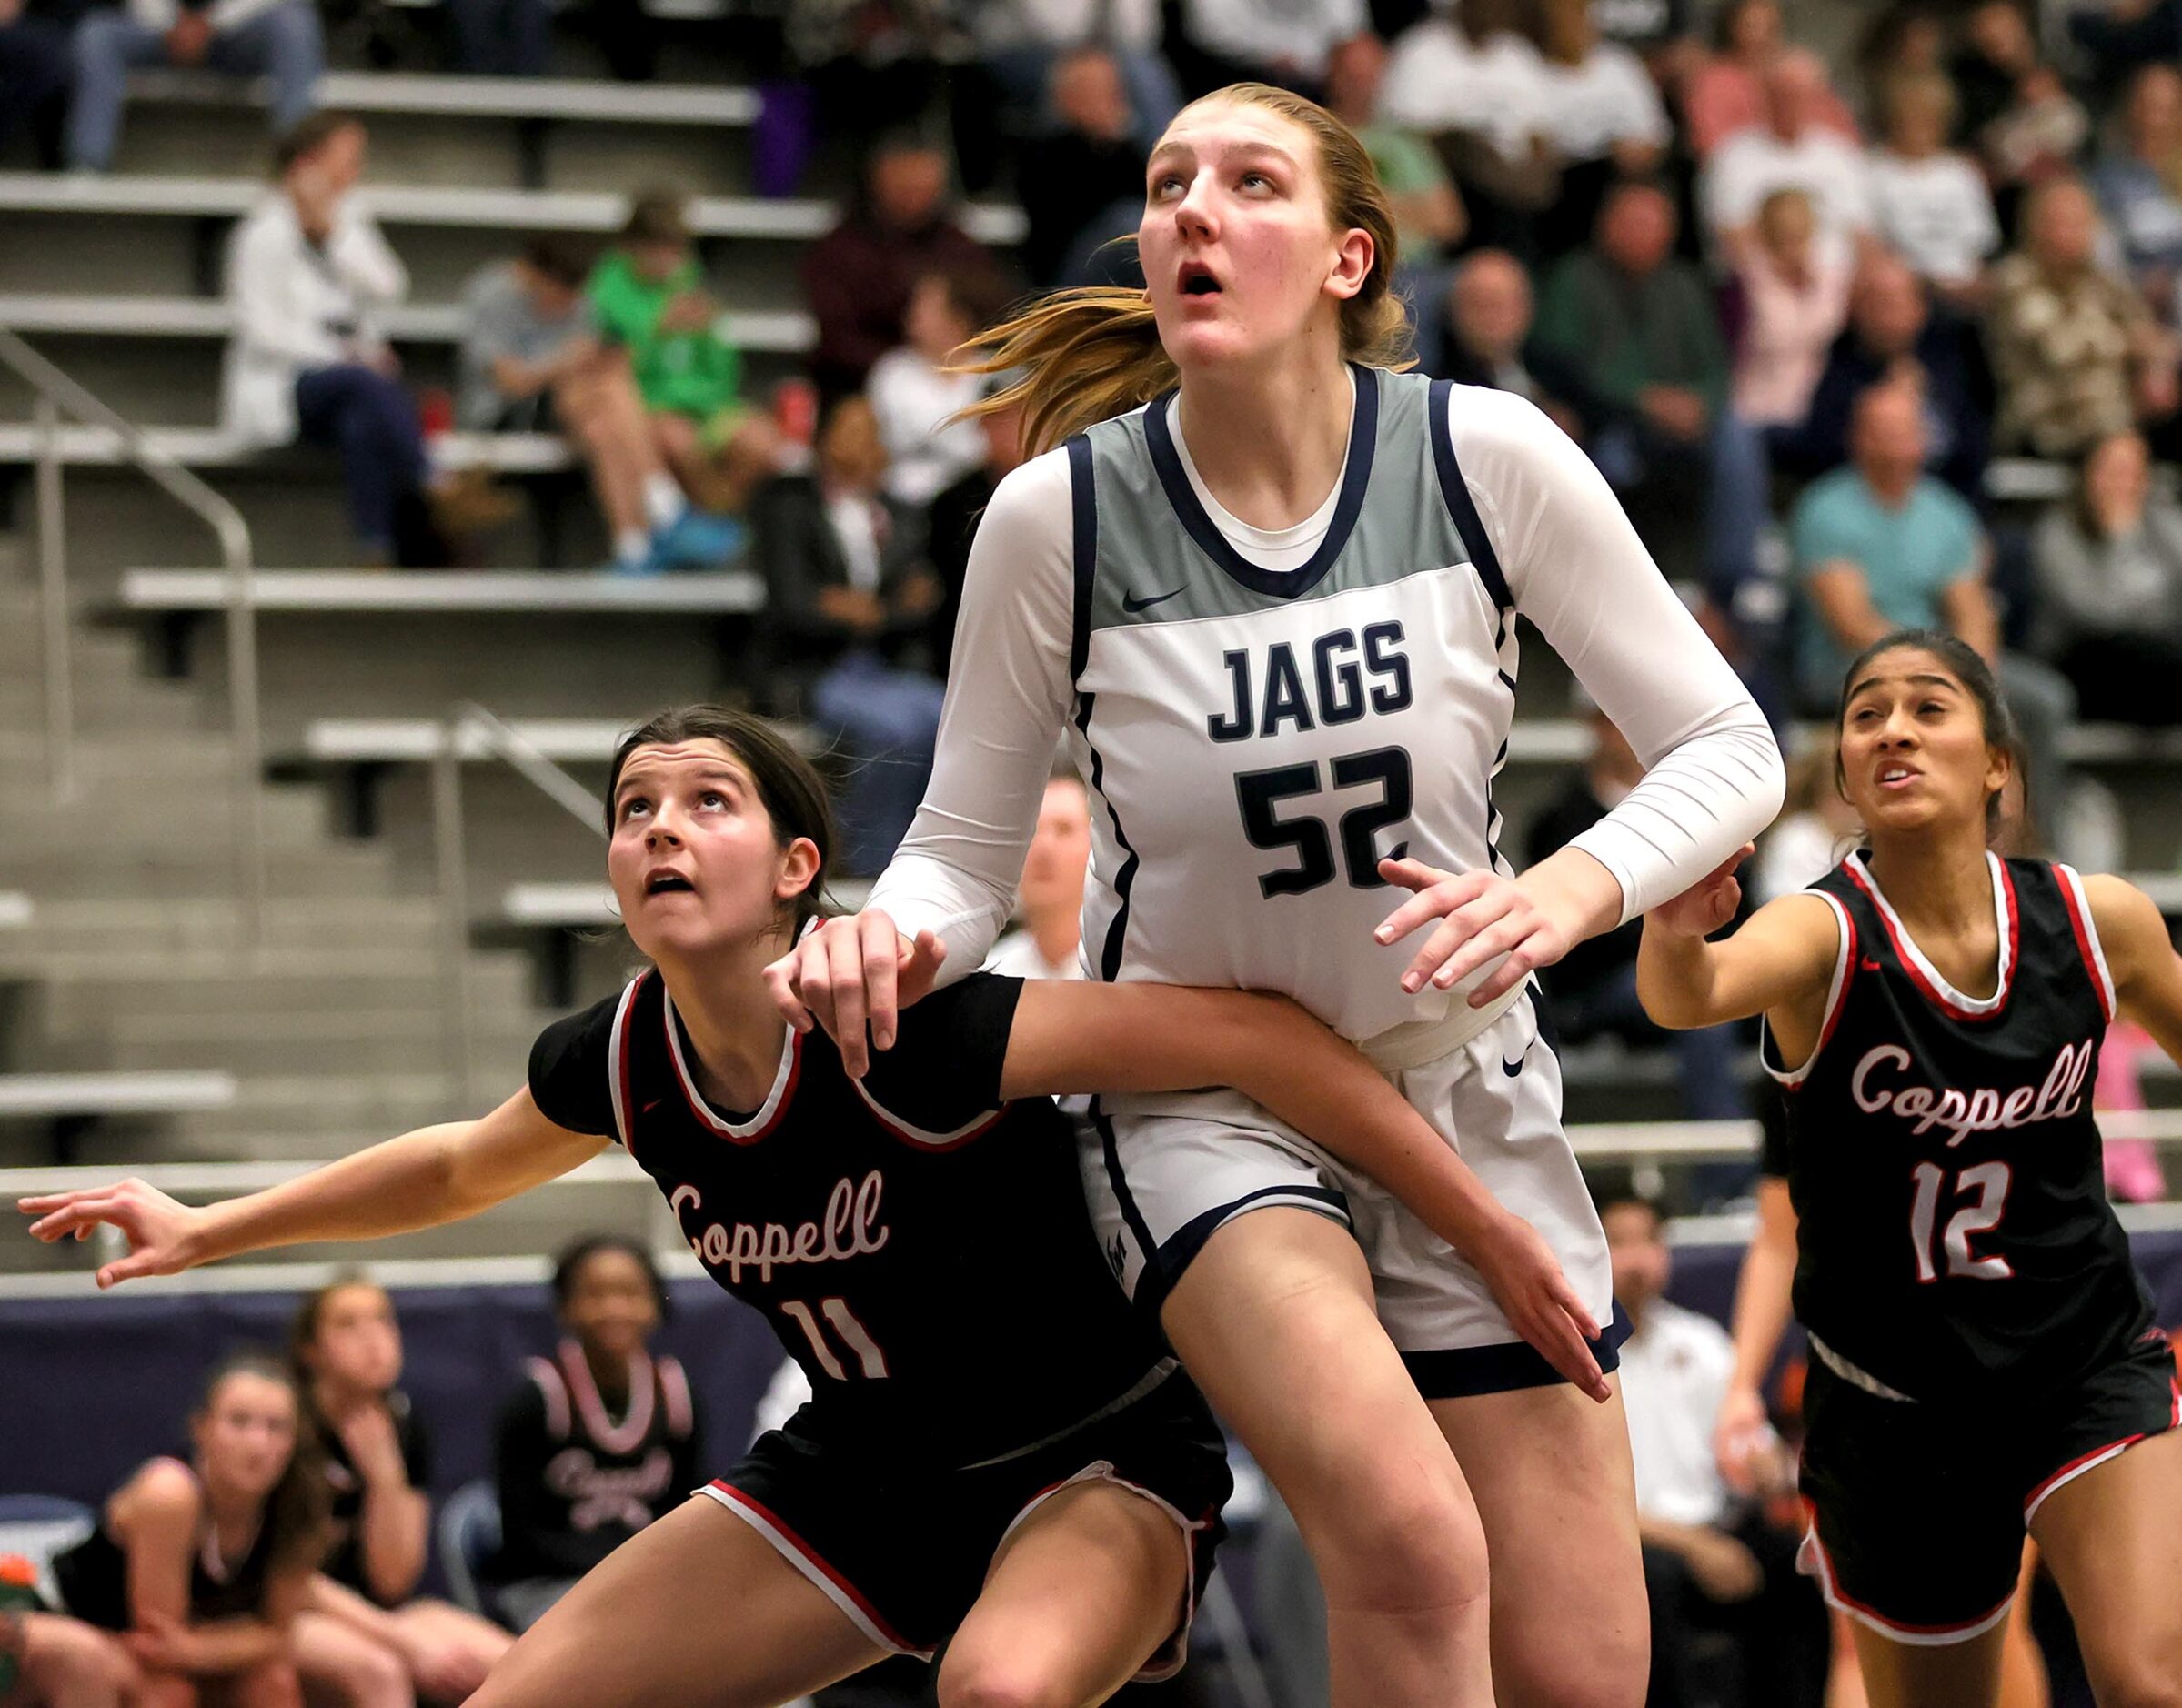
x=497 y=983
x=210 y=924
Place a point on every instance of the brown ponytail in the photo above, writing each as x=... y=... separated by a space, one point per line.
x=1090 y=355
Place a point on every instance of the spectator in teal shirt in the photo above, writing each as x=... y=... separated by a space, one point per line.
x=1880 y=545
x=648 y=295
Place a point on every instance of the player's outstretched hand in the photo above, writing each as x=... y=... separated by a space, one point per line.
x=162 y=1235
x=1534 y=1294
x=853 y=973
x=1740 y=1434
x=1482 y=917
x=1707 y=904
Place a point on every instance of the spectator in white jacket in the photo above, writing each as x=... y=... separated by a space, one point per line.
x=307 y=272
x=278 y=40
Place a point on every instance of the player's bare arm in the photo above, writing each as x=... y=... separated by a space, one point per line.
x=420 y=1180
x=2148 y=973
x=1777 y=964
x=1141 y=1037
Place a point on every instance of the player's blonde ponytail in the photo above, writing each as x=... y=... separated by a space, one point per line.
x=1087 y=356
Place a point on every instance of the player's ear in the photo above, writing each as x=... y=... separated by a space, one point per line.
x=799 y=863
x=1352 y=258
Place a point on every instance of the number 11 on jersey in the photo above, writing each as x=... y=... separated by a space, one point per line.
x=854 y=1335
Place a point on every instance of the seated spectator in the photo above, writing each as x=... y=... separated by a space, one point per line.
x=1640 y=327
x=1592 y=989
x=1713 y=1566
x=364 y=1627
x=647 y=296
x=2015 y=111
x=2122 y=35
x=2109 y=578
x=532 y=362
x=1429 y=216
x=857 y=279
x=1049 y=901
x=1793 y=148
x=601 y=1438
x=1605 y=119
x=1896 y=332
x=1726 y=93
x=278 y=40
x=849 y=597
x=2139 y=187
x=1083 y=182
x=1659 y=32
x=1281 y=42
x=1473 y=83
x=1881 y=545
x=1929 y=203
x=36 y=62
x=200 y=1569
x=1020 y=42
x=1490 y=343
x=2076 y=353
x=307 y=272
x=1794 y=301
x=917 y=400
x=503 y=38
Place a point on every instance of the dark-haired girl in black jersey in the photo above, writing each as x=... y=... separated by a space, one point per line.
x=1984 y=1356
x=999 y=1458
x=199 y=1569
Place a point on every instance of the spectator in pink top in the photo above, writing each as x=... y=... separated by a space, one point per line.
x=2133 y=1172
x=1794 y=302
x=1727 y=93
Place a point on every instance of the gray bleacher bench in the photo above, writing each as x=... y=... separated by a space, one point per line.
x=590 y=906
x=785 y=332
x=497 y=591
x=458 y=96
x=16 y=910
x=214 y=447
x=70 y=1103
x=799 y=218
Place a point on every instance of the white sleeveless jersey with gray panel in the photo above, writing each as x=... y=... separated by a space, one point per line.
x=1255 y=742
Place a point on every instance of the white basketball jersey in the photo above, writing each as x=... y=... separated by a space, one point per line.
x=1257 y=740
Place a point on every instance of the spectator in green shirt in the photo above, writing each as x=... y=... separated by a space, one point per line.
x=647 y=296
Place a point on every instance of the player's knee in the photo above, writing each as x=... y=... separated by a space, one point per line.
x=1604 y=1670
x=376 y=1677
x=273 y=1684
x=996 y=1679
x=1400 y=1542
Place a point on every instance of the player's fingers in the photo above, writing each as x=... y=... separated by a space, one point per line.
x=38 y=1203
x=145 y=1262
x=77 y=1218
x=879 y=952
x=1566 y=1350
x=1411 y=874
x=1521 y=962
x=845 y=972
x=781 y=984
x=1480 y=946
x=814 y=980
x=1442 y=896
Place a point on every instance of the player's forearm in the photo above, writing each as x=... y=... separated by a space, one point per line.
x=227 y=1645
x=397 y=1187
x=1761 y=1309
x=1279 y=1056
x=1675 y=978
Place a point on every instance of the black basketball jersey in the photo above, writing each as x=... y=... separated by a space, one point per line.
x=92 y=1577
x=1955 y=1236
x=921 y=1249
x=576 y=1481
x=345 y=1553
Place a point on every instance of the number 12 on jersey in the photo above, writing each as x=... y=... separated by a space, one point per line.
x=873 y=1362
x=1990 y=1181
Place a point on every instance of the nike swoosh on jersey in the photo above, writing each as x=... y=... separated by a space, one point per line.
x=1515 y=1067
x=1132 y=604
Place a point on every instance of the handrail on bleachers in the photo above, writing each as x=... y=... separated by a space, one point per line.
x=452 y=94
x=713 y=593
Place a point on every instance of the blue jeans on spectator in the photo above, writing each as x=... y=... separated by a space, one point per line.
x=34 y=72
x=283 y=44
x=370 y=420
x=502 y=38
x=889 y=720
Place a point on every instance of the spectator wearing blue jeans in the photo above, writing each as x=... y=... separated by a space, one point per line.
x=850 y=601
x=35 y=67
x=1881 y=545
x=278 y=40
x=502 y=38
x=307 y=272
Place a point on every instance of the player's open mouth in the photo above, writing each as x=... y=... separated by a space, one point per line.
x=1897 y=776
x=661 y=883
x=1197 y=279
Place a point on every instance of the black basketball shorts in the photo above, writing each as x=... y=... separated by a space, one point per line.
x=903 y=1549
x=1918 y=1511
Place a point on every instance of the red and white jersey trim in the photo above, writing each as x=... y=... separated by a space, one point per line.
x=768 y=1113
x=2091 y=1460
x=618 y=1079
x=1812 y=1560
x=915 y=1135
x=1926 y=977
x=1837 y=994
x=808 y=1561
x=590 y=1405
x=2087 y=936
